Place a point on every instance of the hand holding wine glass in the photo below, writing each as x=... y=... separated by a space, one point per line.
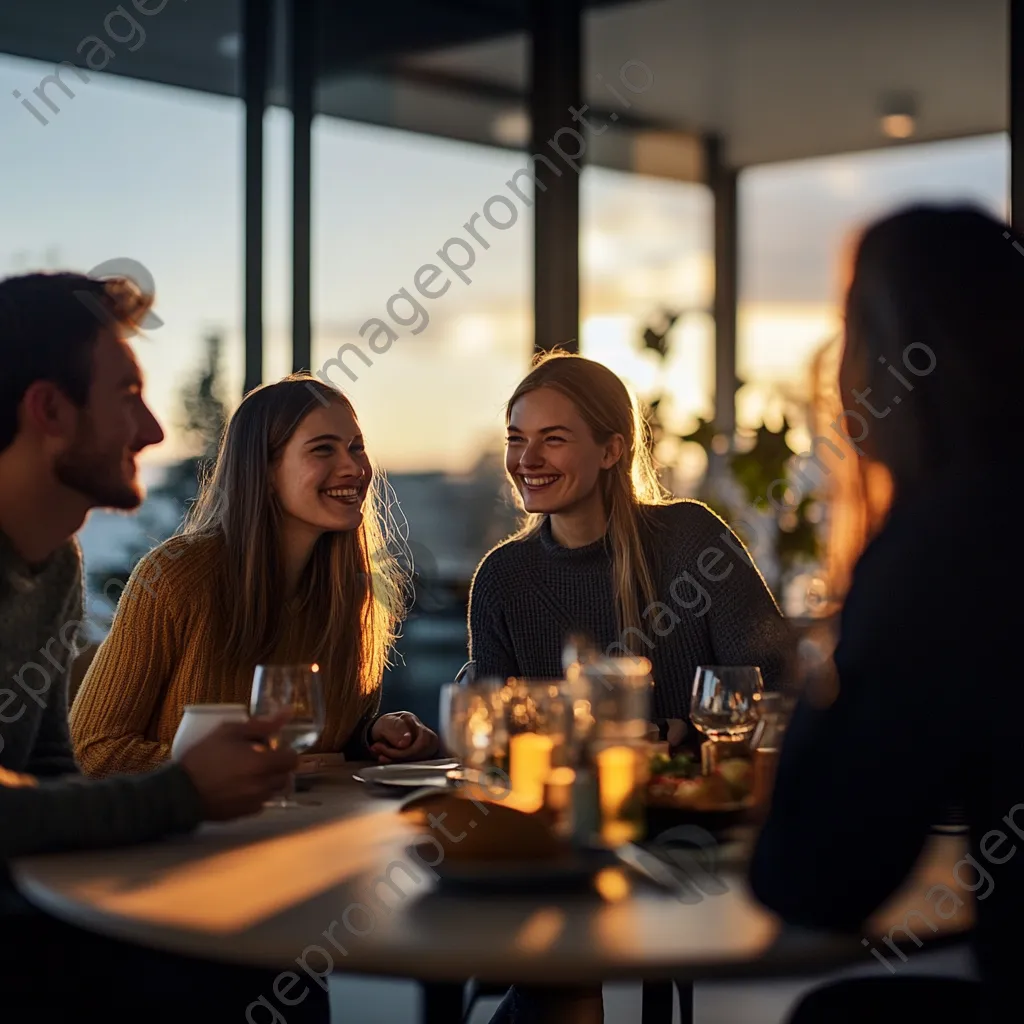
x=233 y=769
x=297 y=692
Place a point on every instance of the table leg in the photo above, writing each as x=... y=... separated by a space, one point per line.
x=656 y=1002
x=441 y=1003
x=685 y=990
x=571 y=1006
x=547 y=1005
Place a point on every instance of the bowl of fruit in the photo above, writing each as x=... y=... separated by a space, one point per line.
x=678 y=793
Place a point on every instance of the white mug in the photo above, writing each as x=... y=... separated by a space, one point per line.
x=200 y=720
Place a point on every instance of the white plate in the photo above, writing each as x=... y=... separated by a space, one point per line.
x=414 y=775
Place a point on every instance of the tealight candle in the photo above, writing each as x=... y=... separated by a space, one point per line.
x=558 y=799
x=617 y=779
x=529 y=768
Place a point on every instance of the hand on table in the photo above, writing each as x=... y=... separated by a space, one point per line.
x=234 y=770
x=677 y=730
x=401 y=736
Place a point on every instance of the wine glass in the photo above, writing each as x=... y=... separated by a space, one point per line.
x=471 y=722
x=449 y=718
x=723 y=705
x=298 y=691
x=450 y=701
x=466 y=675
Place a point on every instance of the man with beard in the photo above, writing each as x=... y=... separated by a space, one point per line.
x=72 y=421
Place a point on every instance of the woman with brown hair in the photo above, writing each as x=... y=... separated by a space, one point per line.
x=605 y=552
x=921 y=705
x=283 y=558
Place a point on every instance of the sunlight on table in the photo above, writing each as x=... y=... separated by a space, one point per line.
x=612 y=885
x=237 y=888
x=540 y=931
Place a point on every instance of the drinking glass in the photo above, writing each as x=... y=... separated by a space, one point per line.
x=724 y=704
x=446 y=698
x=472 y=723
x=298 y=691
x=772 y=715
x=620 y=698
x=199 y=720
x=538 y=721
x=466 y=674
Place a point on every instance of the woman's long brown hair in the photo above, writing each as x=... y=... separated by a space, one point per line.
x=627 y=488
x=934 y=298
x=859 y=489
x=351 y=595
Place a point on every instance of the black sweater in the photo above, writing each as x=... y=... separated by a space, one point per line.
x=713 y=607
x=929 y=707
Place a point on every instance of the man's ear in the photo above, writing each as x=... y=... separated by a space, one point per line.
x=47 y=411
x=613 y=451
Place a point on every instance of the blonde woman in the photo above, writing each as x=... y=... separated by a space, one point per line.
x=283 y=559
x=605 y=552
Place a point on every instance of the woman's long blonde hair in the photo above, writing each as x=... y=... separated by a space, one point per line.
x=627 y=488
x=351 y=595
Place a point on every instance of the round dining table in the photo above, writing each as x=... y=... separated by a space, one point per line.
x=334 y=885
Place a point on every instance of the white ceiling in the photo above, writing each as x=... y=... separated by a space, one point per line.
x=778 y=79
x=785 y=79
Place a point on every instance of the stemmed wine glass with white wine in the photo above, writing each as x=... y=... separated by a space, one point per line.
x=723 y=704
x=297 y=691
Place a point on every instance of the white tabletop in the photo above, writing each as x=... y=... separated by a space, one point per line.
x=308 y=884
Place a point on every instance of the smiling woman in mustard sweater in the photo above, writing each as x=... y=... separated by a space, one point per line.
x=283 y=559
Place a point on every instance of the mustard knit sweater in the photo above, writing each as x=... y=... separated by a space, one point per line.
x=160 y=656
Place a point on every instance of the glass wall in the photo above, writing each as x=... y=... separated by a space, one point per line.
x=647 y=285
x=422 y=294
x=422 y=315
x=798 y=222
x=421 y=289
x=150 y=174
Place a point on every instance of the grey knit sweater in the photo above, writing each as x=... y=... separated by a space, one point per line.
x=712 y=605
x=40 y=609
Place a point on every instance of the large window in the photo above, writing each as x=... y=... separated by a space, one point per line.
x=428 y=345
x=797 y=223
x=422 y=315
x=646 y=254
x=150 y=174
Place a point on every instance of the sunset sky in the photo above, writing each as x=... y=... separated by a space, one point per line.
x=155 y=174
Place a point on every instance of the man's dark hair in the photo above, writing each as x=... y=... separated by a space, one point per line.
x=49 y=324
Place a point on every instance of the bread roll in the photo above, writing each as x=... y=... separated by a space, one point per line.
x=483 y=830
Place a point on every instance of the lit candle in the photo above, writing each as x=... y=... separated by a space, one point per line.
x=529 y=767
x=558 y=799
x=617 y=778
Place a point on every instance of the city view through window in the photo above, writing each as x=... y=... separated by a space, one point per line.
x=432 y=405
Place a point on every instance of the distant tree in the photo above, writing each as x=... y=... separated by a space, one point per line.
x=203 y=414
x=792 y=536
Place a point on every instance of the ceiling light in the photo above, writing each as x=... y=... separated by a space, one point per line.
x=899 y=116
x=230 y=45
x=898 y=126
x=512 y=128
